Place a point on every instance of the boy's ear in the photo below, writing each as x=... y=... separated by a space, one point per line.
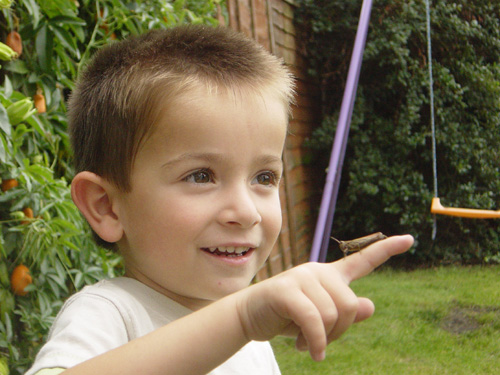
x=93 y=195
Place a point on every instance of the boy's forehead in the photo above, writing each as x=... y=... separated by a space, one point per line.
x=200 y=96
x=201 y=113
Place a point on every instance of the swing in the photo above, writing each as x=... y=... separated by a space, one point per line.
x=470 y=213
x=436 y=206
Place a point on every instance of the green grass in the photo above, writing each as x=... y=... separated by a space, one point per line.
x=433 y=321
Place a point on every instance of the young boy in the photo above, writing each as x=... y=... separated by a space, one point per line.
x=178 y=137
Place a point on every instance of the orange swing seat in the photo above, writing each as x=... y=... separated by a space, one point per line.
x=471 y=213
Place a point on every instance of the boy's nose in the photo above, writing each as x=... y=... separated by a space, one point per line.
x=239 y=208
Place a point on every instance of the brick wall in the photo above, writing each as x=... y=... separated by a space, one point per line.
x=270 y=22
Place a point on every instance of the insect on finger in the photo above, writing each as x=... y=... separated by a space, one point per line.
x=359 y=244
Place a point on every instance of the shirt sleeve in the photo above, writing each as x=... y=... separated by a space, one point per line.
x=87 y=326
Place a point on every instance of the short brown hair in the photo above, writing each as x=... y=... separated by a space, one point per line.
x=117 y=99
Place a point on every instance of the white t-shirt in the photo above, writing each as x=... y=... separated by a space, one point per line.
x=113 y=312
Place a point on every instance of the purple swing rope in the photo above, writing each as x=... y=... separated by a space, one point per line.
x=330 y=191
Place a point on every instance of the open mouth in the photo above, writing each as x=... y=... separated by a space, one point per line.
x=229 y=251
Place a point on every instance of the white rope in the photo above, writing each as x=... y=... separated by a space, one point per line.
x=431 y=104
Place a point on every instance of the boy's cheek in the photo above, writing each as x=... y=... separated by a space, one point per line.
x=277 y=223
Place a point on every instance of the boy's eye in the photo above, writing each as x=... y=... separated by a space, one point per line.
x=200 y=177
x=266 y=179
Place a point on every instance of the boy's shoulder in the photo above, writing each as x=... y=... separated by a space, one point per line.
x=112 y=312
x=122 y=308
x=128 y=298
x=116 y=289
x=102 y=317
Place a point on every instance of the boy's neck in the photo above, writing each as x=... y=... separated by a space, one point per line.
x=192 y=304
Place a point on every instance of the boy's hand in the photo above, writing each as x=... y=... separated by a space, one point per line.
x=313 y=301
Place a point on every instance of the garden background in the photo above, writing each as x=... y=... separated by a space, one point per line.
x=387 y=177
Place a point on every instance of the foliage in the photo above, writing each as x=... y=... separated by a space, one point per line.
x=58 y=38
x=387 y=180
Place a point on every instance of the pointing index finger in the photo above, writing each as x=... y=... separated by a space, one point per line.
x=362 y=263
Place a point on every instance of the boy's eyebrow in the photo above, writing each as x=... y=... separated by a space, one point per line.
x=203 y=156
x=215 y=157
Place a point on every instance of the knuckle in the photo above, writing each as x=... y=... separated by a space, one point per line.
x=330 y=317
x=311 y=315
x=350 y=304
x=307 y=270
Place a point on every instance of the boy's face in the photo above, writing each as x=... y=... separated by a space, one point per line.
x=204 y=211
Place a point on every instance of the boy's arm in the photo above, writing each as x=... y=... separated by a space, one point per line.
x=312 y=302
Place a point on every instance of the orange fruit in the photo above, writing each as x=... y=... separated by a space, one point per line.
x=103 y=25
x=9 y=184
x=15 y=42
x=28 y=212
x=20 y=279
x=40 y=105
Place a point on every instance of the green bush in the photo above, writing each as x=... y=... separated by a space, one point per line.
x=55 y=245
x=387 y=179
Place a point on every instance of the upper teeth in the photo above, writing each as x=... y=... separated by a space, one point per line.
x=229 y=249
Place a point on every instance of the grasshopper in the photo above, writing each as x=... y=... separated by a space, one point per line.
x=358 y=244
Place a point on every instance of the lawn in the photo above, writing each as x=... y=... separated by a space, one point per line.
x=433 y=321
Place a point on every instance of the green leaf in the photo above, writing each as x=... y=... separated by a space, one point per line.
x=79 y=32
x=7 y=86
x=8 y=327
x=66 y=225
x=66 y=20
x=37 y=124
x=3 y=148
x=4 y=120
x=17 y=66
x=40 y=173
x=131 y=27
x=66 y=40
x=33 y=10
x=44 y=45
